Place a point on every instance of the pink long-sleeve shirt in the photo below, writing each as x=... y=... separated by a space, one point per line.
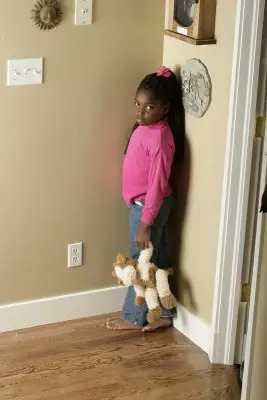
x=147 y=168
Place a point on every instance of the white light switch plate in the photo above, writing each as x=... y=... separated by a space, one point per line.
x=83 y=12
x=28 y=71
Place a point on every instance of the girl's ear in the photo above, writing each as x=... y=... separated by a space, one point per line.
x=167 y=108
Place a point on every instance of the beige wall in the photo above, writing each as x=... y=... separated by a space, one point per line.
x=207 y=138
x=258 y=378
x=62 y=143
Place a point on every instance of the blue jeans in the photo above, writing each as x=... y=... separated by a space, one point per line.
x=131 y=312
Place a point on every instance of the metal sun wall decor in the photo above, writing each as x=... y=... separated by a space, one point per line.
x=197 y=87
x=47 y=14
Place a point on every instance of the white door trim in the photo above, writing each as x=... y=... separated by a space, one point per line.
x=259 y=236
x=254 y=285
x=241 y=125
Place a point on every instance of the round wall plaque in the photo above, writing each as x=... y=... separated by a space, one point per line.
x=197 y=87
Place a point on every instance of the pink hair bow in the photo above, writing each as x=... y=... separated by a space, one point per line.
x=164 y=71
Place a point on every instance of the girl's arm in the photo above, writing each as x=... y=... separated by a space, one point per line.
x=159 y=173
x=158 y=180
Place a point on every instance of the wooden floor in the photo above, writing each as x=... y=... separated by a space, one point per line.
x=81 y=360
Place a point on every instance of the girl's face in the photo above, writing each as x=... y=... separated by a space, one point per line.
x=147 y=110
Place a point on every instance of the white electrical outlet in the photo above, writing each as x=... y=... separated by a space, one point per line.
x=83 y=12
x=75 y=255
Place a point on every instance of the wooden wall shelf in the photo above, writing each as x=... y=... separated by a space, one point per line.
x=197 y=42
x=192 y=21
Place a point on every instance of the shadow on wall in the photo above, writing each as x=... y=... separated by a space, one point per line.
x=180 y=181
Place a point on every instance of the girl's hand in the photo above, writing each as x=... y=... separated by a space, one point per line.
x=143 y=237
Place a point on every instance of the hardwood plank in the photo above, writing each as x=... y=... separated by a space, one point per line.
x=80 y=359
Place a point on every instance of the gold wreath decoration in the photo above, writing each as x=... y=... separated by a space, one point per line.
x=47 y=14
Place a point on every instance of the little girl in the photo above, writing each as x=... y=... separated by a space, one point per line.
x=157 y=140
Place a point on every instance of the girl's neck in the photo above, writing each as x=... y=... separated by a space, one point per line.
x=161 y=121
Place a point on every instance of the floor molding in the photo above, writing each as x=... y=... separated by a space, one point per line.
x=192 y=327
x=72 y=306
x=61 y=308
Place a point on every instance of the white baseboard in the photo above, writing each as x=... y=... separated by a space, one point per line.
x=61 y=308
x=67 y=307
x=192 y=327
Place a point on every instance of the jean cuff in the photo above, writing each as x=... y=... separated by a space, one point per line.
x=133 y=319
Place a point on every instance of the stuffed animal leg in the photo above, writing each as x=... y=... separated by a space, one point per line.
x=166 y=297
x=153 y=305
x=144 y=265
x=140 y=294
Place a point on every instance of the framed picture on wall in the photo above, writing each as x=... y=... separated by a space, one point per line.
x=191 y=20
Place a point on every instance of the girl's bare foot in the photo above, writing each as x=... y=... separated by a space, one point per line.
x=121 y=325
x=162 y=323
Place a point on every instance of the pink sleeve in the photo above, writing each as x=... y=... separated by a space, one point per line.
x=159 y=173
